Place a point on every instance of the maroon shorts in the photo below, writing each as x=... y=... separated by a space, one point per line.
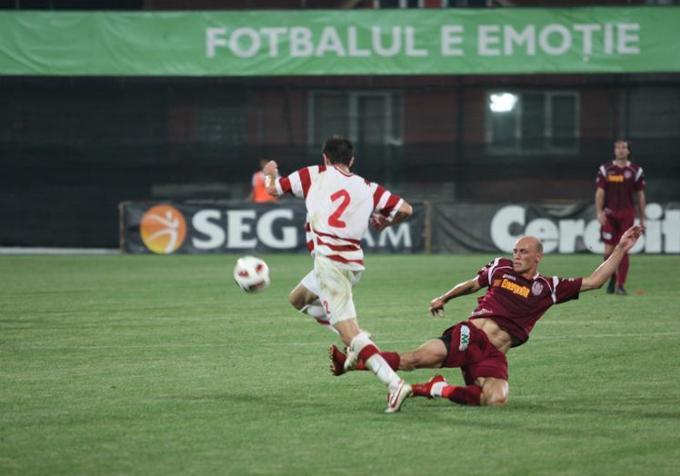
x=618 y=221
x=470 y=349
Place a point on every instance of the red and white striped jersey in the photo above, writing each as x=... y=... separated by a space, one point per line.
x=339 y=207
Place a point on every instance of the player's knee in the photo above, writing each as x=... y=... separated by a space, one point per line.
x=296 y=299
x=494 y=400
x=495 y=394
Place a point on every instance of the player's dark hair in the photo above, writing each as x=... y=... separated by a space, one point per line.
x=338 y=150
x=628 y=143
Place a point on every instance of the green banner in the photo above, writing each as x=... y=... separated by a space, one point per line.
x=341 y=42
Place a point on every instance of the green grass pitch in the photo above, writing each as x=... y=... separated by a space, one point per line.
x=159 y=365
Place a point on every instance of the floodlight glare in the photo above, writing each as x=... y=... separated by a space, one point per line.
x=502 y=102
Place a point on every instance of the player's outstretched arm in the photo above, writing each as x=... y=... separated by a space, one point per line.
x=606 y=269
x=271 y=172
x=461 y=289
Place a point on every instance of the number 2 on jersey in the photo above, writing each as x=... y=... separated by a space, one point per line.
x=334 y=220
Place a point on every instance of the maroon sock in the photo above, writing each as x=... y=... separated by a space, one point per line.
x=392 y=359
x=469 y=395
x=622 y=272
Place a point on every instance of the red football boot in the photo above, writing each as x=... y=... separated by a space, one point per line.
x=425 y=389
x=337 y=360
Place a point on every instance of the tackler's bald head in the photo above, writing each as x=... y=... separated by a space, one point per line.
x=531 y=242
x=526 y=255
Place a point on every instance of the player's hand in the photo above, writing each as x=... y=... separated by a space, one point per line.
x=378 y=222
x=642 y=226
x=437 y=307
x=602 y=218
x=629 y=238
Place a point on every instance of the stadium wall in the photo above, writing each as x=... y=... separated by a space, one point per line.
x=71 y=149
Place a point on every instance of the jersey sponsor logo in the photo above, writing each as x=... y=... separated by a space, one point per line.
x=514 y=288
x=510 y=276
x=536 y=288
x=163 y=229
x=615 y=178
x=464 y=338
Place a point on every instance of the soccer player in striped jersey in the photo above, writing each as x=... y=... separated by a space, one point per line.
x=618 y=182
x=340 y=206
x=516 y=297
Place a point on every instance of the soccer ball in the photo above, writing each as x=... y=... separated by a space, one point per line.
x=251 y=274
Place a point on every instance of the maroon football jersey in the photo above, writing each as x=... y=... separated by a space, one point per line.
x=619 y=183
x=516 y=303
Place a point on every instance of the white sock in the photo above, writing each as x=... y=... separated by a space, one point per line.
x=436 y=390
x=376 y=363
x=382 y=370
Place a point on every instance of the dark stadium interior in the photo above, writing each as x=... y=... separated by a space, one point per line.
x=73 y=148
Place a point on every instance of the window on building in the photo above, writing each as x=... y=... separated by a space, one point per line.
x=364 y=117
x=532 y=121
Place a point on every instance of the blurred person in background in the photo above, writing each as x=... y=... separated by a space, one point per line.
x=259 y=193
x=618 y=182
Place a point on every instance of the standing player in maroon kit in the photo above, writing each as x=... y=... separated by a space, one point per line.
x=617 y=182
x=516 y=298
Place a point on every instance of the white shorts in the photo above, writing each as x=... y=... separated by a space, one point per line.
x=311 y=282
x=334 y=286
